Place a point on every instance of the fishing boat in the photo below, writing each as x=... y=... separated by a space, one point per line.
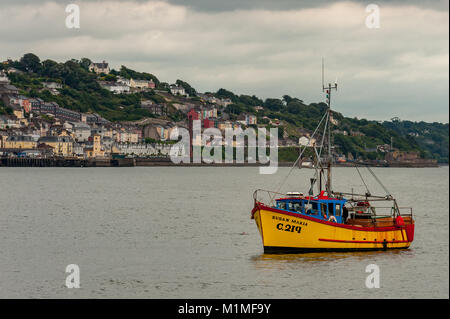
x=325 y=219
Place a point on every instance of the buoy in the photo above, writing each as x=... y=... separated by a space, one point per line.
x=399 y=221
x=332 y=219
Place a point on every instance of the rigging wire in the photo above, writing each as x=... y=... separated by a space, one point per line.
x=323 y=136
x=362 y=179
x=379 y=182
x=298 y=158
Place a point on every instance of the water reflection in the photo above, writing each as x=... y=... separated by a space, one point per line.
x=280 y=261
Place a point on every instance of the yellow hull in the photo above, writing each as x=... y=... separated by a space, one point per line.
x=284 y=232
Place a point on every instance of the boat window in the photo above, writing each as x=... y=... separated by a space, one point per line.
x=282 y=205
x=338 y=209
x=311 y=208
x=330 y=209
x=296 y=207
x=290 y=206
x=323 y=209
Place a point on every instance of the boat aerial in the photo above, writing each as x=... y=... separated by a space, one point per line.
x=330 y=220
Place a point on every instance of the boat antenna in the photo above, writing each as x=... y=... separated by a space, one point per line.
x=327 y=90
x=323 y=72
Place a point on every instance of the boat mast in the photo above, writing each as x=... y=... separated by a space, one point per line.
x=327 y=90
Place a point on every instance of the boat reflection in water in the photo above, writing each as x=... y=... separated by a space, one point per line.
x=310 y=258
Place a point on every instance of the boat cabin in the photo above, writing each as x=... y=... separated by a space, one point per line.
x=320 y=207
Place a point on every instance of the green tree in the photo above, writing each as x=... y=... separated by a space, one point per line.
x=85 y=63
x=274 y=104
x=225 y=94
x=31 y=62
x=294 y=107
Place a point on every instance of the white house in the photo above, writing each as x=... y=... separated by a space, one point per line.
x=3 y=78
x=81 y=131
x=123 y=80
x=177 y=90
x=115 y=87
x=52 y=85
x=306 y=141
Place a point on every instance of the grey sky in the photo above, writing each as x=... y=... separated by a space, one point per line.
x=266 y=48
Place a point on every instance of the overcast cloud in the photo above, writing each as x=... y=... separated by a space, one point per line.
x=266 y=48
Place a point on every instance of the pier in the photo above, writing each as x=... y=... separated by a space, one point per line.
x=165 y=161
x=42 y=162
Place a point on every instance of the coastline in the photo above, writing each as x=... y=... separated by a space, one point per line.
x=154 y=162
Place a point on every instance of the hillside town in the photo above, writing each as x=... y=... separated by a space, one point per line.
x=36 y=128
x=31 y=127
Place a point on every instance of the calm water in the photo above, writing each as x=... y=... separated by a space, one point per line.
x=174 y=232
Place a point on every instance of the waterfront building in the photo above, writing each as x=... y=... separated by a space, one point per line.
x=81 y=131
x=20 y=142
x=95 y=149
x=142 y=149
x=62 y=145
x=78 y=149
x=3 y=137
x=45 y=150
